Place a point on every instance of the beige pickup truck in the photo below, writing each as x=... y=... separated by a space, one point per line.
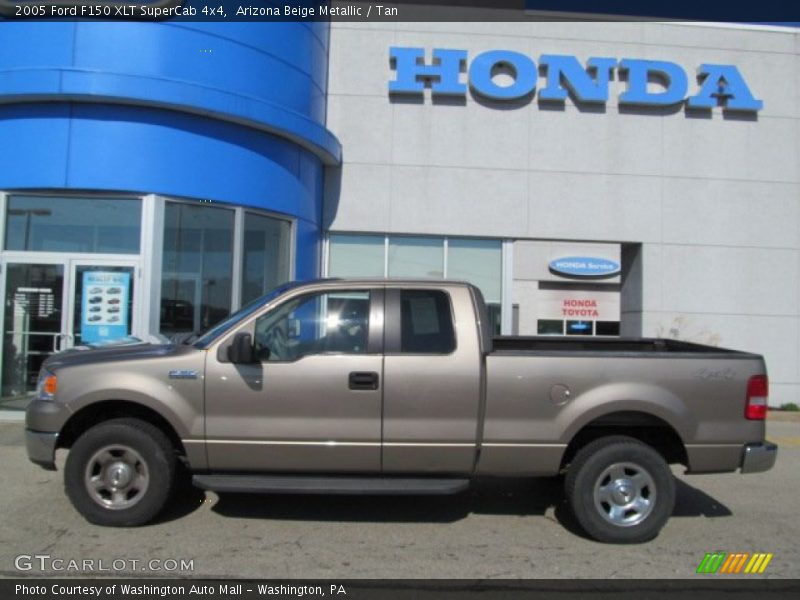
x=396 y=387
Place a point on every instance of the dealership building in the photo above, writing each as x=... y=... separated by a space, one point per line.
x=592 y=178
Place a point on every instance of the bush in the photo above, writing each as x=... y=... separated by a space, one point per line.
x=791 y=407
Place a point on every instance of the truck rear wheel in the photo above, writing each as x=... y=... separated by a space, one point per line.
x=120 y=473
x=620 y=490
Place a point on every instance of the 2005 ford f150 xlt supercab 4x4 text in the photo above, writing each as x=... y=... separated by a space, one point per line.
x=396 y=387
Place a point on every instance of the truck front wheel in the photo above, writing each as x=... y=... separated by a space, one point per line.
x=120 y=473
x=620 y=490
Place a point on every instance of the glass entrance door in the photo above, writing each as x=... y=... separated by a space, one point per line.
x=56 y=304
x=33 y=326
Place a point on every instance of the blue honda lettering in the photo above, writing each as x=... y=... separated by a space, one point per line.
x=719 y=85
x=723 y=84
x=640 y=72
x=484 y=65
x=584 y=87
x=412 y=71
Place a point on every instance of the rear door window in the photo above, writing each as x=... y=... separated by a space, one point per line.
x=426 y=322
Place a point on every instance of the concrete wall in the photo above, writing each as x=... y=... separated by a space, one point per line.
x=540 y=292
x=714 y=200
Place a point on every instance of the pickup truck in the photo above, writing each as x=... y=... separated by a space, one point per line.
x=396 y=387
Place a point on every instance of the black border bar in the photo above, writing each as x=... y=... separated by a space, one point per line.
x=775 y=12
x=700 y=588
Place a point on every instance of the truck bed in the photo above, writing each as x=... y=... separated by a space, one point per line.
x=511 y=345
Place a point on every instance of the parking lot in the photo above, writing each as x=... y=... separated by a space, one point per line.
x=518 y=530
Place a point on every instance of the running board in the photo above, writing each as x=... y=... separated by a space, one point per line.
x=312 y=484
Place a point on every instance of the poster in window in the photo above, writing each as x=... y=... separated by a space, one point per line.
x=104 y=310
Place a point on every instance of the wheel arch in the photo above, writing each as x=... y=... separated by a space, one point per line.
x=105 y=410
x=645 y=427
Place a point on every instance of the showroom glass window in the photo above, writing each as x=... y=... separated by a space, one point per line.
x=196 y=273
x=478 y=261
x=357 y=255
x=416 y=257
x=73 y=224
x=266 y=260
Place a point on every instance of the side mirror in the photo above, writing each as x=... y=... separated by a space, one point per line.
x=241 y=350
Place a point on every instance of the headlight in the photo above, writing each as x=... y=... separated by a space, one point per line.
x=46 y=386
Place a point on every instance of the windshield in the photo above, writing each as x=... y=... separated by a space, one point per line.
x=240 y=315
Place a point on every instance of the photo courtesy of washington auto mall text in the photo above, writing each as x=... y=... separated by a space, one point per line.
x=174 y=589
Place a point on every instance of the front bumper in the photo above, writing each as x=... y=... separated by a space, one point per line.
x=759 y=457
x=41 y=446
x=43 y=420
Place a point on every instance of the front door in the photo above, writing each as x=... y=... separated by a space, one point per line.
x=313 y=400
x=34 y=323
x=52 y=303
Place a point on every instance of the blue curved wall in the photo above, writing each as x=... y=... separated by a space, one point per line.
x=227 y=112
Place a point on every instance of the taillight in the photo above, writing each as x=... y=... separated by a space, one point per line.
x=757 y=393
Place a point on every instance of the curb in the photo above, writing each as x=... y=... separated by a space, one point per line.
x=783 y=415
x=12 y=416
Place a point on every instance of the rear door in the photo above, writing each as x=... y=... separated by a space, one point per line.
x=432 y=381
x=312 y=402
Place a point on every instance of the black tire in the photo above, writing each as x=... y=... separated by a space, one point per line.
x=620 y=490
x=120 y=473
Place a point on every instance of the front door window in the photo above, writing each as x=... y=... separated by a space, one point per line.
x=336 y=322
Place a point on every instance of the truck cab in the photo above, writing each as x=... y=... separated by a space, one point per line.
x=348 y=377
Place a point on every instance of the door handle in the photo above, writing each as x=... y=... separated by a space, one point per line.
x=363 y=380
x=58 y=340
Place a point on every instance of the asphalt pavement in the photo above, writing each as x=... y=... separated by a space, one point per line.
x=515 y=530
